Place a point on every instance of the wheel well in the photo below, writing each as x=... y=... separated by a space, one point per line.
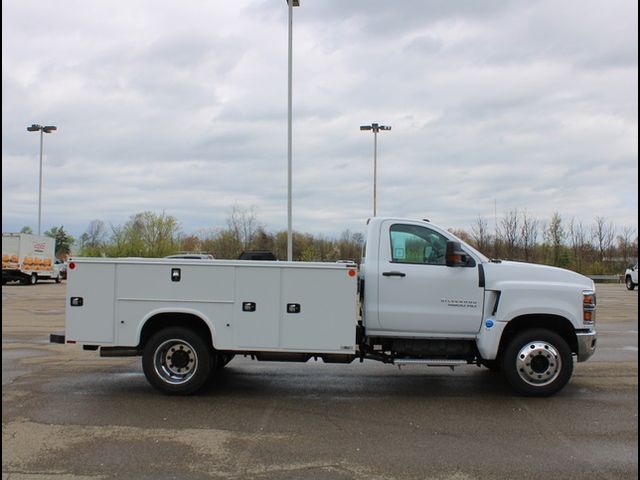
x=555 y=323
x=165 y=320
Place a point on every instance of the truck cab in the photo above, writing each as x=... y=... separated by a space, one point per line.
x=428 y=297
x=410 y=290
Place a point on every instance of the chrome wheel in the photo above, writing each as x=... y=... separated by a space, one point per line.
x=538 y=363
x=175 y=361
x=178 y=360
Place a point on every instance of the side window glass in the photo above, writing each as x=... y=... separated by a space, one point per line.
x=414 y=244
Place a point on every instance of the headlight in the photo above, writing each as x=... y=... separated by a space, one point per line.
x=589 y=307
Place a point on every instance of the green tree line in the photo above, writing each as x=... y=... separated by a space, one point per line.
x=148 y=234
x=596 y=248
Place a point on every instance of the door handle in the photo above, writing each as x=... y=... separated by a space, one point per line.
x=394 y=274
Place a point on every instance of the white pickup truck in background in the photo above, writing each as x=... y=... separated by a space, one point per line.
x=631 y=277
x=421 y=296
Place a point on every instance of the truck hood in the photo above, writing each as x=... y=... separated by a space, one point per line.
x=520 y=272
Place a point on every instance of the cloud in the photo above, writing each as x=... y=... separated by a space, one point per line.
x=182 y=108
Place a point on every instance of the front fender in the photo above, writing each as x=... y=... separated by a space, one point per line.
x=525 y=298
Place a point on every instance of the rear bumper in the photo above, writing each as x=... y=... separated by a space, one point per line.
x=57 y=338
x=586 y=344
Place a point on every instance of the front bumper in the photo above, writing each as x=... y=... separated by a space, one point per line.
x=586 y=344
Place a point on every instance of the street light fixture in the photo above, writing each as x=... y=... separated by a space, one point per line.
x=290 y=4
x=375 y=128
x=42 y=130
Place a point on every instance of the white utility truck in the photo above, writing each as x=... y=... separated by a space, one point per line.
x=421 y=296
x=28 y=258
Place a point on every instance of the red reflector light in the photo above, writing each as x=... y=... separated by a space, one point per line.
x=72 y=266
x=71 y=341
x=352 y=273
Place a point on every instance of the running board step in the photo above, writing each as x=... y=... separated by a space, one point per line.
x=432 y=362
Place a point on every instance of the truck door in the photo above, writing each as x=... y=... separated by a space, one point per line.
x=417 y=292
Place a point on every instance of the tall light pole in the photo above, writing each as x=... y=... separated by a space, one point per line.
x=42 y=130
x=375 y=128
x=290 y=4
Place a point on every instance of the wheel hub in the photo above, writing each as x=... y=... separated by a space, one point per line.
x=179 y=359
x=538 y=363
x=175 y=361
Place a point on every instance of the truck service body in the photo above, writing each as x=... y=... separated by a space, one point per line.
x=420 y=296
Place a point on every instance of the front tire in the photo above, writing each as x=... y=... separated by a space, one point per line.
x=177 y=361
x=629 y=282
x=537 y=363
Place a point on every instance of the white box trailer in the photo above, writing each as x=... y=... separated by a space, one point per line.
x=28 y=258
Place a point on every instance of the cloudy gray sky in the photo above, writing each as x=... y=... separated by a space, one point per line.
x=181 y=107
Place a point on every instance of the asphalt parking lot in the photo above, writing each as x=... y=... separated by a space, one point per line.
x=69 y=414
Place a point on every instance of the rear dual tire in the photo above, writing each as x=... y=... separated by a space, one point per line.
x=177 y=361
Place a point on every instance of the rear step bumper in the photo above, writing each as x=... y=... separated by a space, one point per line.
x=57 y=338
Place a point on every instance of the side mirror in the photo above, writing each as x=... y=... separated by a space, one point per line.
x=456 y=257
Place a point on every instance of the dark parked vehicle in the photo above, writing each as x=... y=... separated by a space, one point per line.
x=257 y=255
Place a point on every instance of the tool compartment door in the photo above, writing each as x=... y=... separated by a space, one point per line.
x=256 y=315
x=326 y=320
x=93 y=321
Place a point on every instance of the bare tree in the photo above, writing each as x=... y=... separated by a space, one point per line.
x=96 y=233
x=242 y=223
x=510 y=232
x=555 y=235
x=94 y=239
x=480 y=234
x=579 y=243
x=191 y=243
x=350 y=245
x=603 y=235
x=625 y=240
x=529 y=235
